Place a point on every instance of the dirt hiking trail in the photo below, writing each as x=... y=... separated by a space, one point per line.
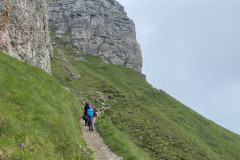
x=96 y=144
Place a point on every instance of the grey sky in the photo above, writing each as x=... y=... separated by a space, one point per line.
x=191 y=49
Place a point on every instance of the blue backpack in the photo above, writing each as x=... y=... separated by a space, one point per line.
x=90 y=112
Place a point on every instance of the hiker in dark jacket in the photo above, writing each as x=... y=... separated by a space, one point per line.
x=84 y=115
x=90 y=112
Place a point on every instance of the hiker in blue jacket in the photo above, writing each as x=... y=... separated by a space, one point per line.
x=90 y=112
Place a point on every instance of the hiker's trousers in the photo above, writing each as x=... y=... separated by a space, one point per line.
x=90 y=122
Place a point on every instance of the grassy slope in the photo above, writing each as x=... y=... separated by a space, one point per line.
x=37 y=111
x=154 y=121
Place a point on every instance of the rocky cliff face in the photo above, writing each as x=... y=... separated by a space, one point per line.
x=97 y=27
x=24 y=31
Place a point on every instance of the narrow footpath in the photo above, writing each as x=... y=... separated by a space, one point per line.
x=96 y=144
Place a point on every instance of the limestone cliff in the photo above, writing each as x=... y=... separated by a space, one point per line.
x=24 y=31
x=97 y=27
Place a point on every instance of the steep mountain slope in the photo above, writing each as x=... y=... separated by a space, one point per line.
x=140 y=115
x=38 y=116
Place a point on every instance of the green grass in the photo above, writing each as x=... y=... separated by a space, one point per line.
x=36 y=110
x=118 y=141
x=157 y=124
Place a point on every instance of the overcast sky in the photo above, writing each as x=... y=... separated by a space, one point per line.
x=191 y=50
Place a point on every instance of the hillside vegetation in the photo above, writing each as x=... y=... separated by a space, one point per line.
x=142 y=122
x=40 y=113
x=38 y=116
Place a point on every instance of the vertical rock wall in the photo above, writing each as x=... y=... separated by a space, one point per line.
x=24 y=31
x=97 y=27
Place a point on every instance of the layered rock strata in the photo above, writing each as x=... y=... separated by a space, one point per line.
x=97 y=27
x=24 y=32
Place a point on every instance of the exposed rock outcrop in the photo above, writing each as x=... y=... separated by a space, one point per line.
x=24 y=31
x=97 y=27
